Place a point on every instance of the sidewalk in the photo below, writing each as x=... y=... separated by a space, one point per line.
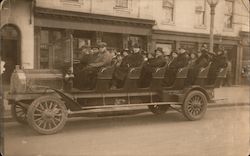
x=225 y=97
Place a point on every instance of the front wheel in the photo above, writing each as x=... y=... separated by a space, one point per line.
x=158 y=109
x=47 y=115
x=195 y=105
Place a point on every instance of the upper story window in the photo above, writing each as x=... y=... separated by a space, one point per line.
x=228 y=19
x=200 y=12
x=121 y=3
x=73 y=2
x=168 y=7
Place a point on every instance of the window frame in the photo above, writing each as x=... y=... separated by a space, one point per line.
x=72 y=2
x=204 y=12
x=164 y=8
x=226 y=15
x=121 y=6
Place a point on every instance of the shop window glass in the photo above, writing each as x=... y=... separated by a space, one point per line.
x=44 y=50
x=189 y=47
x=47 y=56
x=167 y=47
x=168 y=7
x=141 y=41
x=228 y=19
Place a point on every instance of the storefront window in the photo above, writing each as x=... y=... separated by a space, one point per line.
x=167 y=47
x=46 y=52
x=190 y=47
x=140 y=40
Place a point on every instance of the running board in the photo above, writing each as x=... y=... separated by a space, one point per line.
x=114 y=107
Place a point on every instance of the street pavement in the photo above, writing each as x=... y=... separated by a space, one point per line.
x=224 y=131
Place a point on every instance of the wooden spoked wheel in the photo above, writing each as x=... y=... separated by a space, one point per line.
x=195 y=105
x=47 y=115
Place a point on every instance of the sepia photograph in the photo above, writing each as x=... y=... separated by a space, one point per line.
x=124 y=77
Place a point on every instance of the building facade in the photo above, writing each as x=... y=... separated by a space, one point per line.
x=33 y=26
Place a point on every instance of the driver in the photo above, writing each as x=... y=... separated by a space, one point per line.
x=88 y=74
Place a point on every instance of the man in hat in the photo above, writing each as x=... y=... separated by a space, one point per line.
x=130 y=61
x=180 y=62
x=101 y=59
x=219 y=61
x=201 y=62
x=150 y=66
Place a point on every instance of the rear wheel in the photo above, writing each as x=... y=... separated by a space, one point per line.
x=158 y=109
x=19 y=113
x=195 y=105
x=47 y=115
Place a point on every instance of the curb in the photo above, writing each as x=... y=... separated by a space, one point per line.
x=8 y=118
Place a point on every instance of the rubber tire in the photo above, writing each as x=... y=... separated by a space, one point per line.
x=14 y=114
x=185 y=111
x=162 y=109
x=31 y=110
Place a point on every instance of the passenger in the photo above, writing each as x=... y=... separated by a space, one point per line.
x=150 y=66
x=125 y=52
x=201 y=62
x=167 y=58
x=88 y=74
x=85 y=55
x=180 y=62
x=219 y=61
x=130 y=61
x=192 y=59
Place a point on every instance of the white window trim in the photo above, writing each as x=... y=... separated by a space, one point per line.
x=170 y=23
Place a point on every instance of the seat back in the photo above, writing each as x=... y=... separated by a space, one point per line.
x=179 y=82
x=202 y=75
x=157 y=78
x=104 y=77
x=222 y=74
x=133 y=78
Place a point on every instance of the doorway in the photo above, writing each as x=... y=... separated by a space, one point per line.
x=10 y=51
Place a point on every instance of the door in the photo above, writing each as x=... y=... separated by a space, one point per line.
x=10 y=51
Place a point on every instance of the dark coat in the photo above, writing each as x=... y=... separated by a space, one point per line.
x=128 y=62
x=148 y=69
x=218 y=62
x=170 y=74
x=180 y=62
x=193 y=72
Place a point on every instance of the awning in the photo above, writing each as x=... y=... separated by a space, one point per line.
x=53 y=18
